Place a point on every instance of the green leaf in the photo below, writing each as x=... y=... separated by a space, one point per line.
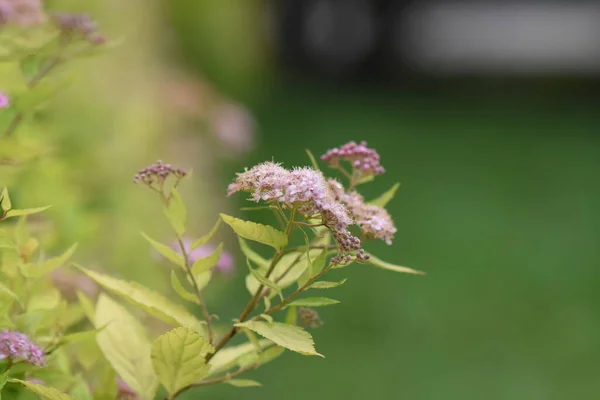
x=313 y=160
x=166 y=251
x=46 y=267
x=45 y=392
x=291 y=317
x=126 y=347
x=178 y=358
x=227 y=358
x=5 y=203
x=259 y=233
x=5 y=289
x=365 y=179
x=176 y=212
x=385 y=198
x=397 y=268
x=326 y=284
x=205 y=264
x=253 y=256
x=42 y=92
x=3 y=380
x=150 y=301
x=318 y=263
x=289 y=336
x=264 y=280
x=242 y=382
x=266 y=317
x=208 y=236
x=27 y=211
x=314 y=302
x=180 y=290
x=202 y=280
x=86 y=305
x=81 y=391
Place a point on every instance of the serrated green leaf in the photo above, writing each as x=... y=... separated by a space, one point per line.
x=27 y=211
x=178 y=358
x=253 y=256
x=5 y=203
x=257 y=232
x=318 y=263
x=199 y=242
x=176 y=212
x=45 y=392
x=314 y=302
x=180 y=290
x=126 y=347
x=46 y=267
x=242 y=382
x=313 y=160
x=150 y=301
x=326 y=284
x=397 y=268
x=385 y=198
x=291 y=316
x=203 y=279
x=289 y=336
x=206 y=263
x=166 y=251
x=264 y=280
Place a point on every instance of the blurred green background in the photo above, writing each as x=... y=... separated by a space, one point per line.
x=498 y=205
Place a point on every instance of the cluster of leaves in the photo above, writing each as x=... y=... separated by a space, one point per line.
x=97 y=348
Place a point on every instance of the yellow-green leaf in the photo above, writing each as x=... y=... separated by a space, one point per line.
x=242 y=382
x=385 y=198
x=150 y=301
x=45 y=392
x=178 y=358
x=166 y=251
x=204 y=264
x=264 y=280
x=86 y=305
x=326 y=284
x=208 y=236
x=227 y=358
x=252 y=255
x=5 y=203
x=176 y=212
x=27 y=211
x=5 y=289
x=314 y=302
x=397 y=268
x=180 y=290
x=318 y=263
x=289 y=336
x=39 y=270
x=126 y=347
x=257 y=232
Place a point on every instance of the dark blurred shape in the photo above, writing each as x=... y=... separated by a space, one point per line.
x=386 y=38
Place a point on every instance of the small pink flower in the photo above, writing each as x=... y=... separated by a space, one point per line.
x=224 y=265
x=16 y=345
x=4 y=103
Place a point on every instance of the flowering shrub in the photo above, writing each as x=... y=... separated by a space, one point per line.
x=60 y=339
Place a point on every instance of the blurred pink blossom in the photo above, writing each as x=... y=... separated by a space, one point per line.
x=4 y=103
x=234 y=126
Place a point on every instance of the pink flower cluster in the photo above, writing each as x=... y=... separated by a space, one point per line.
x=302 y=188
x=16 y=345
x=158 y=173
x=363 y=159
x=374 y=221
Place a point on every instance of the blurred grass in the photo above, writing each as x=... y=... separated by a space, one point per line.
x=498 y=204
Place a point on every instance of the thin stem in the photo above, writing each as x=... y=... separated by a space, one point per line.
x=213 y=381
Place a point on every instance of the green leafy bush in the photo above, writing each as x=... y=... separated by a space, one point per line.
x=60 y=340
